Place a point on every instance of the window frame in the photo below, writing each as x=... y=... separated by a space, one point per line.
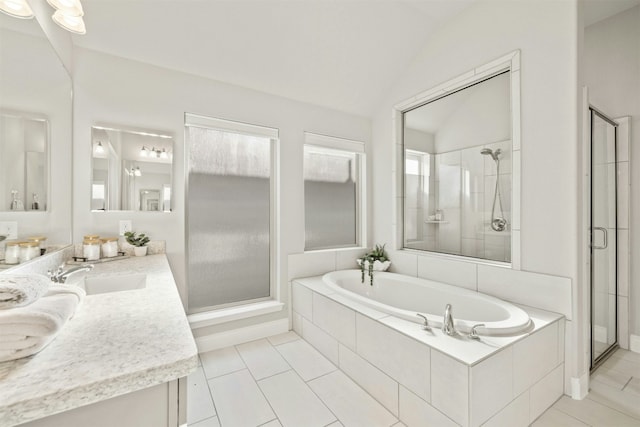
x=329 y=144
x=206 y=316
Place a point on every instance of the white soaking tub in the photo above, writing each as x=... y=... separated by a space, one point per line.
x=404 y=296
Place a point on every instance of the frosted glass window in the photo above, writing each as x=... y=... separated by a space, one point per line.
x=229 y=217
x=330 y=198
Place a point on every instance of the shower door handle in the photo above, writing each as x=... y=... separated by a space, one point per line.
x=606 y=238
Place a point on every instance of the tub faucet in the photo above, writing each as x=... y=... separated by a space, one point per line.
x=60 y=275
x=448 y=327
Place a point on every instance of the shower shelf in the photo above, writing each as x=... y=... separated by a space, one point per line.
x=436 y=222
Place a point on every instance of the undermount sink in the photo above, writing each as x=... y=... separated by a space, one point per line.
x=114 y=283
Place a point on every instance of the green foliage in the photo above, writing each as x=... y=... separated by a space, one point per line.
x=377 y=254
x=139 y=240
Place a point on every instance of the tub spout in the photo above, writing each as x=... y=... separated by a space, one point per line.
x=448 y=327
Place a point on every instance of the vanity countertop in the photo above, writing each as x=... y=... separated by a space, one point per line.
x=116 y=343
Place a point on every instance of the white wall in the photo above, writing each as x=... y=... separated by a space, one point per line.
x=546 y=34
x=114 y=90
x=612 y=74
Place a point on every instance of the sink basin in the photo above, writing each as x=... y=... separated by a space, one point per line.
x=116 y=283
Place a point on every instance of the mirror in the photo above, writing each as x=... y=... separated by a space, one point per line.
x=35 y=136
x=458 y=171
x=23 y=167
x=131 y=170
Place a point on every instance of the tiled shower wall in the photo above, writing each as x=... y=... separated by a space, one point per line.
x=461 y=184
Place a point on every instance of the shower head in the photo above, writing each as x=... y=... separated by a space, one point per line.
x=489 y=152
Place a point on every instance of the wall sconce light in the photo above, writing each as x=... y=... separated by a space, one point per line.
x=154 y=152
x=99 y=148
x=69 y=15
x=16 y=8
x=137 y=171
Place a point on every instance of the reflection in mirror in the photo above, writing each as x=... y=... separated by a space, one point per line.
x=131 y=170
x=23 y=161
x=35 y=137
x=457 y=172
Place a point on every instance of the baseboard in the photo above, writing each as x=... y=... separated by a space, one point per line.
x=580 y=387
x=634 y=343
x=241 y=335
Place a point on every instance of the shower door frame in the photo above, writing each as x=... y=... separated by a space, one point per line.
x=597 y=361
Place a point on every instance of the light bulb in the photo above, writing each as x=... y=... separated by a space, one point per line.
x=164 y=154
x=68 y=7
x=16 y=8
x=74 y=24
x=143 y=151
x=99 y=148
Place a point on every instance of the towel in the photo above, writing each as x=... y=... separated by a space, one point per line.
x=27 y=330
x=17 y=290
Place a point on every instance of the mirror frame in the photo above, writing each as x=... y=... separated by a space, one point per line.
x=143 y=131
x=509 y=62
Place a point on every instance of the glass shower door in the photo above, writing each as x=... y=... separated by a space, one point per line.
x=604 y=289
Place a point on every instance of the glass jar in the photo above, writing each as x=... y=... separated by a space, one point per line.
x=29 y=251
x=42 y=243
x=109 y=247
x=12 y=252
x=91 y=249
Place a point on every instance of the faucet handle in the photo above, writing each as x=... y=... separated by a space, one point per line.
x=425 y=325
x=474 y=331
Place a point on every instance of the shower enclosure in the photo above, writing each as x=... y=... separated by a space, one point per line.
x=604 y=226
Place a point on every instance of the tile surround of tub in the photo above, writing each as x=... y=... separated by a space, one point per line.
x=388 y=359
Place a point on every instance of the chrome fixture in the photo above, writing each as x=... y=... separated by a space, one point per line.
x=61 y=275
x=474 y=331
x=425 y=325
x=448 y=327
x=497 y=223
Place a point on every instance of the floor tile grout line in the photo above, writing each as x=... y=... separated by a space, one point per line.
x=226 y=373
x=626 y=384
x=565 y=413
x=213 y=402
x=251 y=373
x=615 y=409
x=397 y=417
x=320 y=398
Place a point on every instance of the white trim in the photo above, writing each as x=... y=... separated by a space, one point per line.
x=580 y=387
x=229 y=126
x=333 y=142
x=506 y=63
x=224 y=315
x=241 y=335
x=634 y=343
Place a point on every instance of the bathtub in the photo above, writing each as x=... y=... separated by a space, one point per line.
x=404 y=296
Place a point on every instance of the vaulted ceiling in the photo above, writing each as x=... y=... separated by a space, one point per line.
x=341 y=54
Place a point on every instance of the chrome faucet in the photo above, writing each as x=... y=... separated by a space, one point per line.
x=448 y=327
x=60 y=275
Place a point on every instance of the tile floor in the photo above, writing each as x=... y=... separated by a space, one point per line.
x=284 y=381
x=614 y=398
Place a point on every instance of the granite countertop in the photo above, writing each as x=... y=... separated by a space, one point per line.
x=116 y=343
